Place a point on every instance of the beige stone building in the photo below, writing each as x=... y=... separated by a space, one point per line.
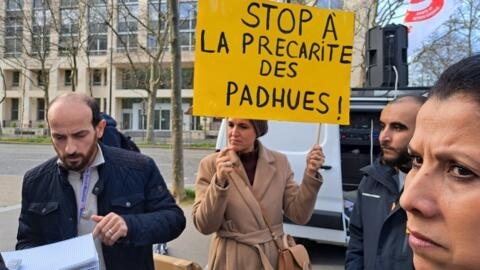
x=69 y=45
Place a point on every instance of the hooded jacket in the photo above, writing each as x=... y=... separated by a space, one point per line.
x=378 y=238
x=111 y=136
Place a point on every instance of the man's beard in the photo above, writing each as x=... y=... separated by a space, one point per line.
x=402 y=161
x=83 y=162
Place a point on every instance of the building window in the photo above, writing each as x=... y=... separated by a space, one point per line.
x=16 y=78
x=99 y=103
x=40 y=109
x=156 y=120
x=333 y=4
x=14 y=5
x=157 y=11
x=69 y=26
x=187 y=78
x=165 y=120
x=134 y=79
x=68 y=77
x=127 y=26
x=13 y=32
x=14 y=109
x=97 y=28
x=41 y=20
x=165 y=79
x=97 y=77
x=126 y=121
x=196 y=123
x=142 y=119
x=188 y=23
x=42 y=77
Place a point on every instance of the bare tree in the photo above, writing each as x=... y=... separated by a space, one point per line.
x=144 y=60
x=52 y=31
x=457 y=38
x=27 y=47
x=368 y=14
x=4 y=94
x=69 y=24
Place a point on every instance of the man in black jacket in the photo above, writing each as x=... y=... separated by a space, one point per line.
x=117 y=195
x=378 y=225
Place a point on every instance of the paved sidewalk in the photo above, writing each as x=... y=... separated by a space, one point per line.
x=10 y=197
x=10 y=190
x=8 y=227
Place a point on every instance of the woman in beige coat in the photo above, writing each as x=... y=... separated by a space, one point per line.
x=235 y=185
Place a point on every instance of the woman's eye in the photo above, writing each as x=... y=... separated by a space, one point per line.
x=416 y=161
x=460 y=171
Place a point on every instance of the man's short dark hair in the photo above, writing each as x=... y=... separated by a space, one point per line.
x=417 y=98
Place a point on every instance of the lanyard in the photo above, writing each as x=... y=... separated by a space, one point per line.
x=83 y=199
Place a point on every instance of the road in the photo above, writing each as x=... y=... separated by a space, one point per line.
x=16 y=159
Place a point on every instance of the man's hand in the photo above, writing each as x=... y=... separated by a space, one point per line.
x=109 y=228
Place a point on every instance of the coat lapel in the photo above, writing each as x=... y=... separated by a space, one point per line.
x=239 y=181
x=263 y=174
x=253 y=195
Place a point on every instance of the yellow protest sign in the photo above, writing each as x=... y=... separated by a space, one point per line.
x=269 y=60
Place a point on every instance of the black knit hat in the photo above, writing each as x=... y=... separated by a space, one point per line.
x=260 y=126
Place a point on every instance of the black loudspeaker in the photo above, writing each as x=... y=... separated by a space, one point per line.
x=386 y=48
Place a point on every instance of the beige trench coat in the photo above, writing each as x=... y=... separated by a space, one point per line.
x=242 y=239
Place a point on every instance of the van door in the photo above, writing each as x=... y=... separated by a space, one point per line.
x=295 y=140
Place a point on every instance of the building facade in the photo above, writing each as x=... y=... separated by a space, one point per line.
x=105 y=48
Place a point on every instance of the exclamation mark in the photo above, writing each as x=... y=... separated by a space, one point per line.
x=339 y=107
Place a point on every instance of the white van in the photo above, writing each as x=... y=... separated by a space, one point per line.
x=347 y=149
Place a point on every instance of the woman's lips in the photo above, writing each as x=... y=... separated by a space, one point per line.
x=417 y=240
x=234 y=142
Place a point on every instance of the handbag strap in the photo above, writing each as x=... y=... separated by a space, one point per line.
x=274 y=235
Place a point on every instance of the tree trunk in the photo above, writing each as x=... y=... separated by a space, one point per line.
x=152 y=100
x=177 y=118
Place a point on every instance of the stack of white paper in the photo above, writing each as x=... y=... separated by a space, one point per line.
x=75 y=253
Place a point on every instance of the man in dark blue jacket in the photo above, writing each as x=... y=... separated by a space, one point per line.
x=377 y=228
x=117 y=195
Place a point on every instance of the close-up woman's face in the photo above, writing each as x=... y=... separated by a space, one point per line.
x=241 y=135
x=442 y=191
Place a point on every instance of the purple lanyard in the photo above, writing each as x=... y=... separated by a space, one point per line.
x=83 y=199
